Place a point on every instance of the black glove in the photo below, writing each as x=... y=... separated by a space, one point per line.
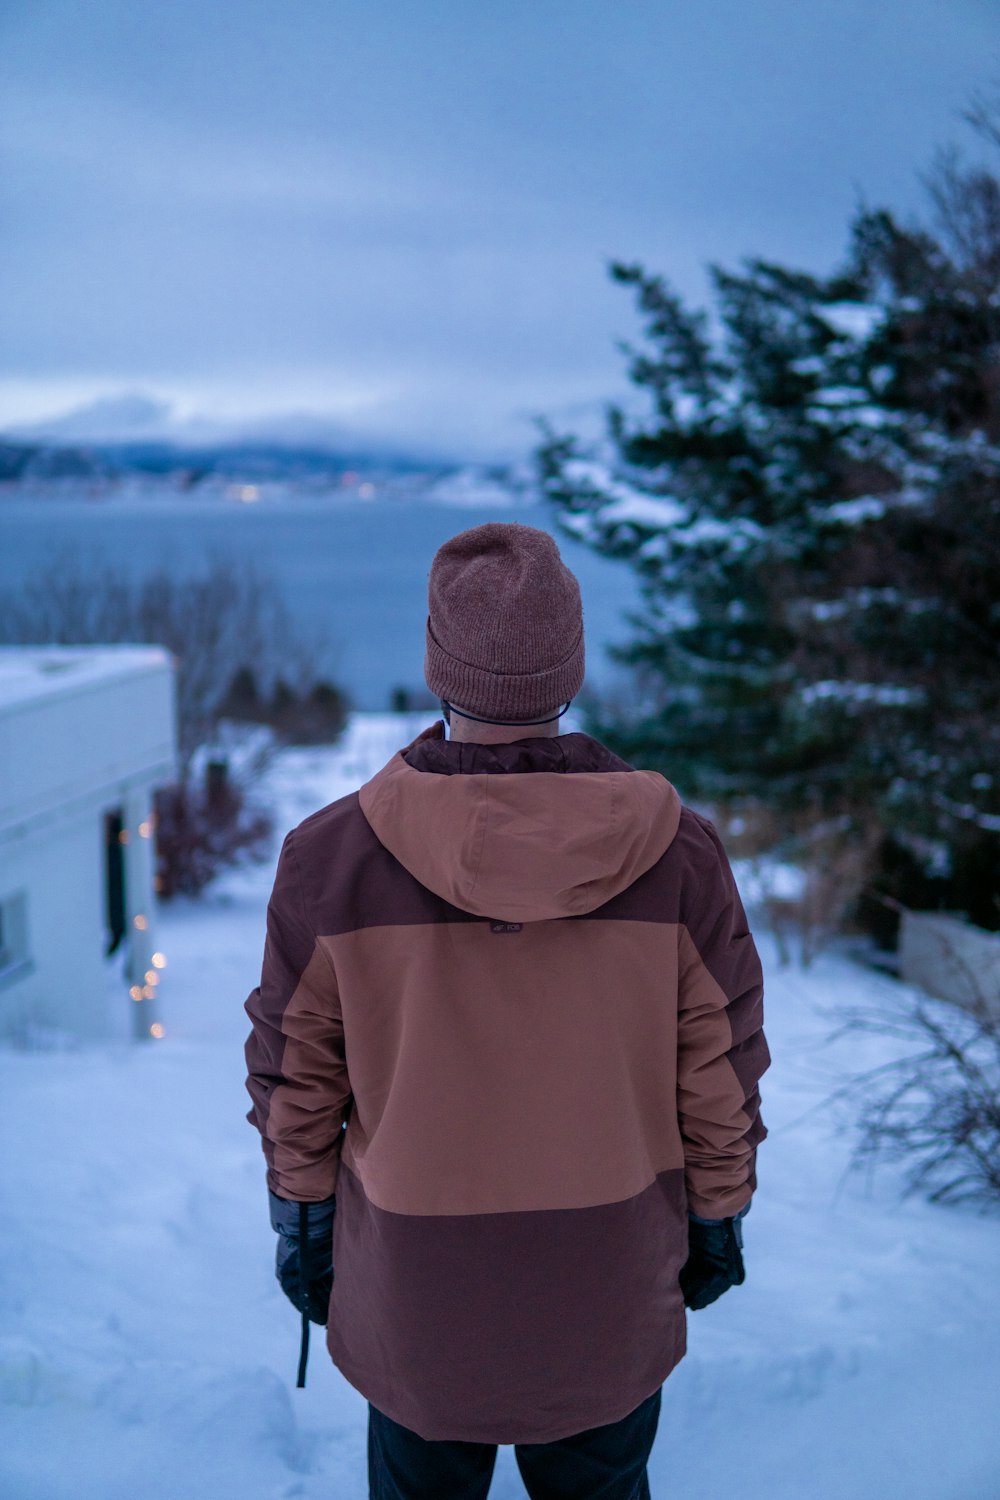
x=715 y=1259
x=311 y=1294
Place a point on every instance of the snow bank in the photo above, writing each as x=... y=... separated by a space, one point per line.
x=147 y=1350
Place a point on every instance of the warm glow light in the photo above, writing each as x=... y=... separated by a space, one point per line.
x=141 y=922
x=244 y=492
x=136 y=992
x=366 y=491
x=159 y=961
x=157 y=882
x=145 y=829
x=148 y=991
x=156 y=1030
x=123 y=836
x=152 y=977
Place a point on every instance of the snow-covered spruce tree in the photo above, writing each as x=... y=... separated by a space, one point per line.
x=812 y=506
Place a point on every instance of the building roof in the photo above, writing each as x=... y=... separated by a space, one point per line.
x=79 y=727
x=32 y=673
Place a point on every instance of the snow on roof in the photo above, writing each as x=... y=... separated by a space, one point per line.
x=28 y=673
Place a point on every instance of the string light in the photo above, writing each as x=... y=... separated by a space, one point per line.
x=140 y=922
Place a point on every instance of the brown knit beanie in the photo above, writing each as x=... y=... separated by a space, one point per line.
x=505 y=623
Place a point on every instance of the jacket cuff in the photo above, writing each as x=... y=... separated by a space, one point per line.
x=742 y=1212
x=285 y=1216
x=738 y=1227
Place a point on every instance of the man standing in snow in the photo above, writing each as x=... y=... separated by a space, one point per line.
x=504 y=1063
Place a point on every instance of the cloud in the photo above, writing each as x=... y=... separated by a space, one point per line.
x=412 y=206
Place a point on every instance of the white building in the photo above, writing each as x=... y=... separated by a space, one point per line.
x=86 y=734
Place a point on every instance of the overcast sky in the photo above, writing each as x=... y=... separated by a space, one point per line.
x=399 y=213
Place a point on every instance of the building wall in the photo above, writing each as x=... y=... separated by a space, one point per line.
x=66 y=988
x=82 y=730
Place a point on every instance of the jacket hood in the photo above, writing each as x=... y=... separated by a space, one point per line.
x=525 y=831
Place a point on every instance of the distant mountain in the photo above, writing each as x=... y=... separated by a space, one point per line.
x=144 y=431
x=108 y=440
x=20 y=462
x=251 y=460
x=131 y=415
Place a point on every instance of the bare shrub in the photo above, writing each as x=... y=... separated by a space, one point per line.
x=315 y=717
x=836 y=862
x=213 y=623
x=200 y=830
x=935 y=1107
x=219 y=626
x=804 y=876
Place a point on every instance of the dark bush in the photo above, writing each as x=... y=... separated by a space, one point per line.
x=201 y=828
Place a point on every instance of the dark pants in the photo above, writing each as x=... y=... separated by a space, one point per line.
x=604 y=1463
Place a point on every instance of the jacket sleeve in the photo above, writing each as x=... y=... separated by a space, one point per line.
x=296 y=1062
x=722 y=1050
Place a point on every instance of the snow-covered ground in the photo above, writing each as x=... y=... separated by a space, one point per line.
x=147 y=1351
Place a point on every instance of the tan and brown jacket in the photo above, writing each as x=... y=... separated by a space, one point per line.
x=510 y=1012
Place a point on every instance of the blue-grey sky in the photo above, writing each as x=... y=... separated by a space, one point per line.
x=398 y=214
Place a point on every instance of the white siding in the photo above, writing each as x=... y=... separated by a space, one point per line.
x=82 y=730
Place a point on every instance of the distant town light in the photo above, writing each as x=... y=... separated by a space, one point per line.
x=148 y=991
x=152 y=977
x=145 y=829
x=156 y=1030
x=158 y=961
x=136 y=991
x=245 y=492
x=123 y=836
x=366 y=491
x=141 y=922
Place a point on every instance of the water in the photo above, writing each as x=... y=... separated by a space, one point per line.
x=353 y=571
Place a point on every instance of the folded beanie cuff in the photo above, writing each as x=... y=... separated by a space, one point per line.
x=500 y=695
